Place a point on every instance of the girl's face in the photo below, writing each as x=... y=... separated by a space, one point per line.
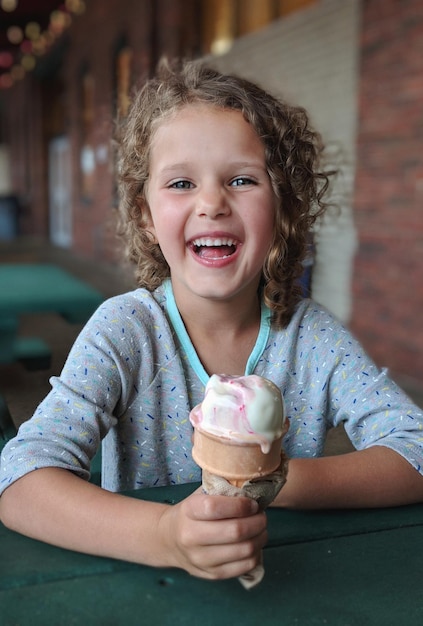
x=211 y=202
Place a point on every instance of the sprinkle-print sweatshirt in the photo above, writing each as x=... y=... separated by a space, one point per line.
x=133 y=375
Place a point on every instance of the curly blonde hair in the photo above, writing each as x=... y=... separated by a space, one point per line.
x=293 y=152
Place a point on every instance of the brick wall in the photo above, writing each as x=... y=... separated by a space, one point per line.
x=150 y=30
x=48 y=104
x=388 y=277
x=27 y=156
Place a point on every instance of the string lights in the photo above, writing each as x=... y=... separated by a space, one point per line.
x=31 y=41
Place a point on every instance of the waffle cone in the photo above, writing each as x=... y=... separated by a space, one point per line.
x=235 y=461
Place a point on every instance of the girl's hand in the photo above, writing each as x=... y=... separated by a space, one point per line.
x=214 y=537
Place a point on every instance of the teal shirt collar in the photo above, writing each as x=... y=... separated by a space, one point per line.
x=180 y=330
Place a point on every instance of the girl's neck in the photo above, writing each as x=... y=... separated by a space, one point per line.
x=222 y=333
x=220 y=316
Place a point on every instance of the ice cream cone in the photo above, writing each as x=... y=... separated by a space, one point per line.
x=238 y=431
x=237 y=462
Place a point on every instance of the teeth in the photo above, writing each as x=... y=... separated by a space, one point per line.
x=208 y=241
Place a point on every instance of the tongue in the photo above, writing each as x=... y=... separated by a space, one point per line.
x=218 y=252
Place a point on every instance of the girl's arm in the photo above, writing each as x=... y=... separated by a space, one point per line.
x=208 y=536
x=374 y=477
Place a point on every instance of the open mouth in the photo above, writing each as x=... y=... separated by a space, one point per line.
x=214 y=248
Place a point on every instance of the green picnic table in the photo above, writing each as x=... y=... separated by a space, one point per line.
x=37 y=288
x=332 y=568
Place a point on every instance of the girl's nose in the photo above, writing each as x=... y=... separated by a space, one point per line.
x=211 y=202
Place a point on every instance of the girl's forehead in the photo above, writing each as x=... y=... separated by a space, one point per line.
x=202 y=133
x=193 y=119
x=185 y=111
x=207 y=123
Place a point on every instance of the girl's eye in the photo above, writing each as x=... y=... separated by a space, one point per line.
x=181 y=184
x=241 y=181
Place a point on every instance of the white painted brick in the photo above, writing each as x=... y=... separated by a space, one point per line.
x=310 y=58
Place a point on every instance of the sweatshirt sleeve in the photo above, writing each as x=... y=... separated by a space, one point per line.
x=85 y=401
x=372 y=407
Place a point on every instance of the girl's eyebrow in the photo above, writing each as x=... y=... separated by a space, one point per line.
x=174 y=167
x=258 y=164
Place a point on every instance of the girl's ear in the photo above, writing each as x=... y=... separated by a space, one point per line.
x=149 y=228
x=146 y=222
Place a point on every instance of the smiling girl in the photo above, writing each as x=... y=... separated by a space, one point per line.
x=220 y=186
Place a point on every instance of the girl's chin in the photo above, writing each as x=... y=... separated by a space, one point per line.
x=214 y=290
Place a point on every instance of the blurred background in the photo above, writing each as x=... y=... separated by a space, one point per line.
x=67 y=69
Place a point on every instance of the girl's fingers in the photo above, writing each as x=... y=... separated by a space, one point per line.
x=215 y=536
x=200 y=506
x=218 y=562
x=223 y=532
